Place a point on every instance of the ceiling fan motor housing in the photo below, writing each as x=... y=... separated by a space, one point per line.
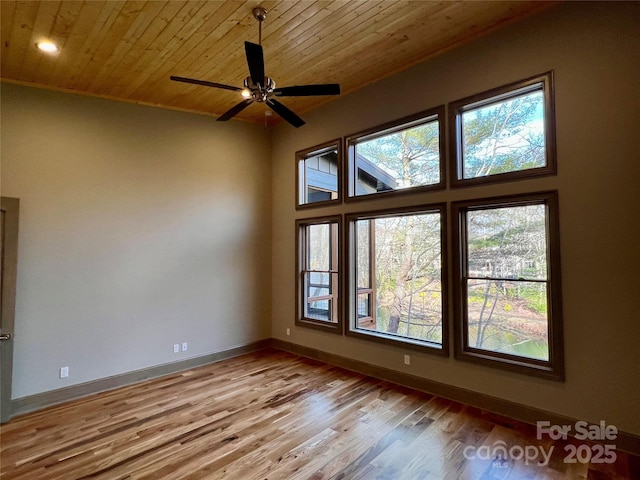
x=258 y=92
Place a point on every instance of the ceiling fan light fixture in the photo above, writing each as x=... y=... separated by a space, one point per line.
x=48 y=47
x=246 y=93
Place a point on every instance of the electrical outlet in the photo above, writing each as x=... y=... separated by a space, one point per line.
x=176 y=347
x=184 y=346
x=288 y=332
x=407 y=360
x=64 y=372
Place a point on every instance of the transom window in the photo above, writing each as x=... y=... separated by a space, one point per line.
x=401 y=156
x=504 y=134
x=319 y=175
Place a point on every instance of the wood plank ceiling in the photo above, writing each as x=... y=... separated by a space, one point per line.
x=126 y=50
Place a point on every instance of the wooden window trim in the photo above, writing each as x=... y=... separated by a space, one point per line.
x=337 y=257
x=412 y=197
x=350 y=283
x=496 y=95
x=426 y=116
x=554 y=367
x=301 y=173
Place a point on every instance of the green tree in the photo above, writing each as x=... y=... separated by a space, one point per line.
x=411 y=156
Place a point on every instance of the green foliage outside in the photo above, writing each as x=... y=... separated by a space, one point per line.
x=410 y=156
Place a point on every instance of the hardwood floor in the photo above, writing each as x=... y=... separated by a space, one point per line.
x=273 y=415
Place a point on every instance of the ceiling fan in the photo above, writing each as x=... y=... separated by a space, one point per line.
x=260 y=88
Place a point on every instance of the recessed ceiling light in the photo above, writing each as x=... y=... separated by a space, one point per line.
x=48 y=47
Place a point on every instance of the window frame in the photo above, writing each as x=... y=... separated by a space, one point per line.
x=350 y=283
x=345 y=211
x=301 y=261
x=493 y=96
x=423 y=117
x=302 y=156
x=554 y=367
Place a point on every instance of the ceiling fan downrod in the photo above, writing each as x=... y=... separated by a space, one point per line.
x=259 y=14
x=260 y=90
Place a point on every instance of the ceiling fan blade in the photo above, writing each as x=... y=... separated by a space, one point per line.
x=204 y=83
x=285 y=113
x=308 y=90
x=233 y=111
x=255 y=61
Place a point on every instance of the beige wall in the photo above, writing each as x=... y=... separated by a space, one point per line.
x=593 y=49
x=139 y=228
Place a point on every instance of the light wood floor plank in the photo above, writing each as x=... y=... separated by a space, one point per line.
x=273 y=415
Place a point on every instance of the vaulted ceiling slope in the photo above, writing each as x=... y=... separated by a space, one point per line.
x=126 y=50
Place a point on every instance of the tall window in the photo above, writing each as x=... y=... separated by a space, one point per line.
x=397 y=286
x=318 y=280
x=504 y=134
x=402 y=156
x=508 y=286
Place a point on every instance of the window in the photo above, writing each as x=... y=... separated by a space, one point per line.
x=402 y=156
x=397 y=287
x=318 y=281
x=508 y=285
x=504 y=134
x=318 y=175
x=393 y=261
